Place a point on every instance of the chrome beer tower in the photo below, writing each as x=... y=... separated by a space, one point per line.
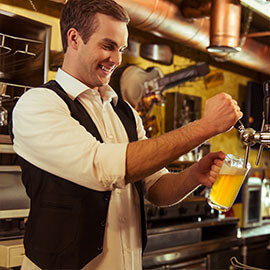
x=249 y=136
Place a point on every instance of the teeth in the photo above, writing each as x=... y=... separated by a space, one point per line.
x=105 y=69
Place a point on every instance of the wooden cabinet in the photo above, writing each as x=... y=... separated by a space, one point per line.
x=11 y=253
x=257 y=251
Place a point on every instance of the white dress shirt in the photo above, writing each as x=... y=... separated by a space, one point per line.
x=47 y=136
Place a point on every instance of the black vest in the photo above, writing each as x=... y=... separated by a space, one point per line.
x=66 y=223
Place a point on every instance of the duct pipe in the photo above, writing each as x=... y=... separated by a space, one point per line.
x=225 y=26
x=164 y=19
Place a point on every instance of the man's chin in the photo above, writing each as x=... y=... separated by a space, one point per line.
x=105 y=82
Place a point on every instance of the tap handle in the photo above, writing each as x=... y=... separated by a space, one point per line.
x=239 y=126
x=266 y=90
x=246 y=156
x=259 y=154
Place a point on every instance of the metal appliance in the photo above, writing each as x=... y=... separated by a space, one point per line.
x=14 y=203
x=189 y=235
x=191 y=209
x=24 y=59
x=248 y=204
x=199 y=245
x=24 y=56
x=249 y=136
x=24 y=50
x=266 y=197
x=252 y=194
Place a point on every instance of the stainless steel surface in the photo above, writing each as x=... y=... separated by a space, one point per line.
x=25 y=42
x=14 y=202
x=189 y=209
x=188 y=241
x=218 y=251
x=186 y=252
x=249 y=136
x=157 y=52
x=196 y=264
x=173 y=239
x=207 y=223
x=251 y=194
x=24 y=50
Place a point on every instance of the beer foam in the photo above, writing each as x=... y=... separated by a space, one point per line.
x=228 y=170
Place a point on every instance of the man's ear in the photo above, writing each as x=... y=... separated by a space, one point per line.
x=73 y=38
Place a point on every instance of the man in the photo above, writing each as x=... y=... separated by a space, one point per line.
x=84 y=156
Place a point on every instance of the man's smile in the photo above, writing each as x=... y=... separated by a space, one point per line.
x=107 y=70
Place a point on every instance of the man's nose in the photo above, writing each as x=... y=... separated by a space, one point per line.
x=116 y=57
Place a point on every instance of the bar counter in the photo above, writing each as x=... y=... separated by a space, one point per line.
x=212 y=242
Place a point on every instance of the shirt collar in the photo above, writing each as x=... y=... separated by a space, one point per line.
x=74 y=87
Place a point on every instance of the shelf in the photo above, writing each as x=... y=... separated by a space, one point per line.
x=6 y=148
x=5 y=139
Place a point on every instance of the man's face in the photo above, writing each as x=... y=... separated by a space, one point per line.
x=102 y=54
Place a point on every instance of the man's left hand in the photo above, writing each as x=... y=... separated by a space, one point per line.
x=207 y=169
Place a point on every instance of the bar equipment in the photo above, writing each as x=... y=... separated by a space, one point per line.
x=249 y=136
x=24 y=59
x=248 y=204
x=3 y=110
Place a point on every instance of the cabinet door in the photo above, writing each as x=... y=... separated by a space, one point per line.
x=258 y=255
x=221 y=259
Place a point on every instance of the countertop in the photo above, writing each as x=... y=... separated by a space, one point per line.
x=262 y=230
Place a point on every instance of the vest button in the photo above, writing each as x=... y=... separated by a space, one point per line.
x=102 y=223
x=106 y=198
x=99 y=248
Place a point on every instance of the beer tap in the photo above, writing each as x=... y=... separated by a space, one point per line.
x=249 y=136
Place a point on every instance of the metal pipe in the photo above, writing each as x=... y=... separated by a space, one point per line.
x=225 y=26
x=164 y=19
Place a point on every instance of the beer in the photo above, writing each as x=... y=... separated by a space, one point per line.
x=227 y=185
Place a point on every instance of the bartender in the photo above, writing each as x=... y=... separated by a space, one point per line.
x=86 y=162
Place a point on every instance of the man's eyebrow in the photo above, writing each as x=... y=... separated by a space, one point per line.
x=112 y=42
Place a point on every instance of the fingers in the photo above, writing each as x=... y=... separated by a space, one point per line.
x=216 y=155
x=209 y=168
x=214 y=171
x=215 y=168
x=233 y=103
x=221 y=112
x=237 y=110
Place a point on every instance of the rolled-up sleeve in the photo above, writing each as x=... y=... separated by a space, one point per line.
x=48 y=137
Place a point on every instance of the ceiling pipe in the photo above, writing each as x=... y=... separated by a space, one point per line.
x=195 y=8
x=225 y=22
x=164 y=19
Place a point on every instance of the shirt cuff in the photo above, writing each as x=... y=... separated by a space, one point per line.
x=111 y=162
x=152 y=179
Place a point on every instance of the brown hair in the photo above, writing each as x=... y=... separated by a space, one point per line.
x=80 y=14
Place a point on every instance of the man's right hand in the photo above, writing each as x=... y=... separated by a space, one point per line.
x=221 y=113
